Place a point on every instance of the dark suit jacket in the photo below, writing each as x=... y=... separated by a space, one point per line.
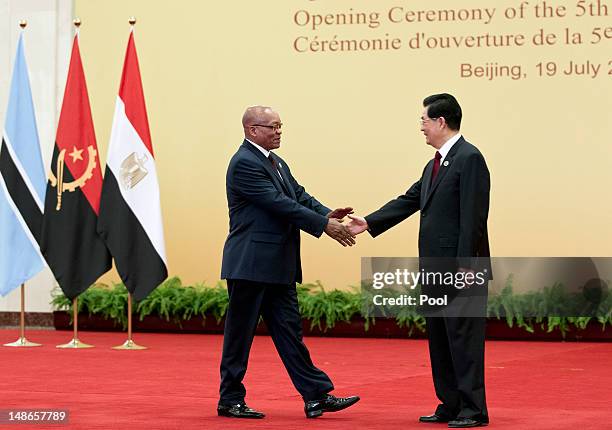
x=454 y=209
x=266 y=215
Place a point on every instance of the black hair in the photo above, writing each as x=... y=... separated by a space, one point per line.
x=446 y=106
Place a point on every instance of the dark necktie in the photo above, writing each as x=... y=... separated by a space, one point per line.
x=436 y=166
x=275 y=165
x=272 y=161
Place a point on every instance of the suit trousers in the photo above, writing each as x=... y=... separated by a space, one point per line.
x=456 y=349
x=278 y=305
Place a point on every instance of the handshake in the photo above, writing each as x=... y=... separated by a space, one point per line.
x=344 y=234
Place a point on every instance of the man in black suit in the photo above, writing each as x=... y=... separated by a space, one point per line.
x=261 y=262
x=453 y=198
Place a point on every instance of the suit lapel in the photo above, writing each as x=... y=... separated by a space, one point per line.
x=444 y=167
x=426 y=183
x=285 y=176
x=276 y=180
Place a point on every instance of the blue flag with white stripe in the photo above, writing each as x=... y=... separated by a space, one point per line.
x=22 y=184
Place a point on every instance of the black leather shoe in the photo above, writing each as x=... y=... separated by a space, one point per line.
x=239 y=410
x=434 y=419
x=329 y=403
x=464 y=423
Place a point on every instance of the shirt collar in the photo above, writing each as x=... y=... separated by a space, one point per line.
x=263 y=150
x=445 y=149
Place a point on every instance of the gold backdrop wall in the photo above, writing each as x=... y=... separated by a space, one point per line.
x=351 y=130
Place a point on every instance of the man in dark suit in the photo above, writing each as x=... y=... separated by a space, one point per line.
x=261 y=262
x=453 y=198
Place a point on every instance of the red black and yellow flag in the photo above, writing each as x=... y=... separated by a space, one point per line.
x=73 y=249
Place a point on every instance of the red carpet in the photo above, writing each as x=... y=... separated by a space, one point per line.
x=173 y=385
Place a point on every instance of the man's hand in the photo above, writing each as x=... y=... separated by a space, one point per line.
x=468 y=276
x=340 y=213
x=357 y=225
x=337 y=231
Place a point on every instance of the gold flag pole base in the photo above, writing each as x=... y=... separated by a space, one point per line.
x=129 y=344
x=22 y=342
x=74 y=344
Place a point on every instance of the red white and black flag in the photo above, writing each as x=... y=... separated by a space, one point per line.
x=70 y=243
x=130 y=214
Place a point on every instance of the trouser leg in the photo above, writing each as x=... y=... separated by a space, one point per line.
x=241 y=319
x=466 y=337
x=442 y=369
x=282 y=316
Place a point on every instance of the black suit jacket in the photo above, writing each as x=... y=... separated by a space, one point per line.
x=266 y=215
x=454 y=209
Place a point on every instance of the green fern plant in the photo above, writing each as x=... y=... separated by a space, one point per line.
x=176 y=302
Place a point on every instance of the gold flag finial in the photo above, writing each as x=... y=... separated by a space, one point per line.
x=132 y=20
x=23 y=23
x=76 y=22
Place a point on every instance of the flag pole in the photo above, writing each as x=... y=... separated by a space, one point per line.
x=22 y=341
x=129 y=344
x=75 y=343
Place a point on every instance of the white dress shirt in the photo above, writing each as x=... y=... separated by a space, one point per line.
x=445 y=149
x=265 y=152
